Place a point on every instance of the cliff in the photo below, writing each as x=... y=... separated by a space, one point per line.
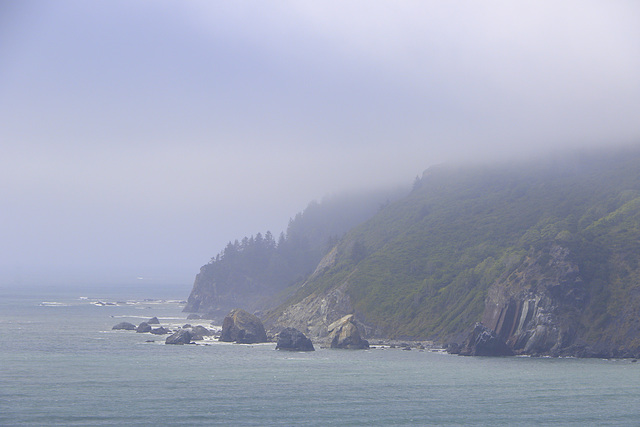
x=546 y=254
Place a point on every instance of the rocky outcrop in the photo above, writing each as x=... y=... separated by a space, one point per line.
x=153 y=321
x=242 y=327
x=293 y=340
x=344 y=333
x=484 y=342
x=182 y=336
x=537 y=307
x=159 y=331
x=199 y=332
x=313 y=315
x=143 y=327
x=125 y=326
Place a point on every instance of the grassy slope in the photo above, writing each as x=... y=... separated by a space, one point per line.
x=424 y=263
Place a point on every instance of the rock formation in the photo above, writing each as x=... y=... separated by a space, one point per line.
x=242 y=327
x=293 y=340
x=199 y=332
x=313 y=315
x=125 y=326
x=484 y=342
x=153 y=321
x=143 y=327
x=159 y=331
x=343 y=333
x=180 y=337
x=536 y=308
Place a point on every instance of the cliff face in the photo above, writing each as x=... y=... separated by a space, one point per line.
x=536 y=309
x=314 y=313
x=545 y=255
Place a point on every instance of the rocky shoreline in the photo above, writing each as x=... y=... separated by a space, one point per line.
x=242 y=327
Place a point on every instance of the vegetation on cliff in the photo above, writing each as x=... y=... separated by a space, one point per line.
x=556 y=241
x=422 y=267
x=256 y=271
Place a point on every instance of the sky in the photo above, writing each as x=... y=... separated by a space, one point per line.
x=138 y=137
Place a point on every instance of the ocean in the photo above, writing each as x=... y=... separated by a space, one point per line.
x=61 y=364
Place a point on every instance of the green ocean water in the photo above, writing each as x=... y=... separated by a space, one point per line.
x=61 y=364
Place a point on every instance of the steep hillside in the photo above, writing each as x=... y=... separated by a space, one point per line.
x=546 y=253
x=257 y=271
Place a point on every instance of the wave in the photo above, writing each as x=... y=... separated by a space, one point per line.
x=53 y=304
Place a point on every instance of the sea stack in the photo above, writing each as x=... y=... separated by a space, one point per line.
x=343 y=333
x=243 y=328
x=292 y=339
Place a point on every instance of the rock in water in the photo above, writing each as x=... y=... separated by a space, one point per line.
x=125 y=326
x=143 y=327
x=181 y=337
x=201 y=331
x=153 y=321
x=159 y=331
x=344 y=333
x=293 y=340
x=484 y=342
x=242 y=327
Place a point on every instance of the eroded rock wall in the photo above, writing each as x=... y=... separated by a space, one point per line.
x=536 y=308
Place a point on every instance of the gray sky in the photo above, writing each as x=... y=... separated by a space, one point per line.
x=138 y=137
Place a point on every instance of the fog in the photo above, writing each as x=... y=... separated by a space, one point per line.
x=138 y=137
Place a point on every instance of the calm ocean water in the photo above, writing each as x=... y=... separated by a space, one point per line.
x=61 y=364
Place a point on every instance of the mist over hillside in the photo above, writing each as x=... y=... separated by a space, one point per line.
x=548 y=245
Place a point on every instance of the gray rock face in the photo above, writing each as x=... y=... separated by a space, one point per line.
x=484 y=342
x=181 y=337
x=159 y=331
x=153 y=321
x=344 y=333
x=242 y=327
x=536 y=309
x=201 y=331
x=143 y=327
x=293 y=340
x=313 y=315
x=125 y=326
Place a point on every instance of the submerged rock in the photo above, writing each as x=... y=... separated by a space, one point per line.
x=343 y=333
x=143 y=327
x=125 y=326
x=293 y=340
x=242 y=327
x=484 y=342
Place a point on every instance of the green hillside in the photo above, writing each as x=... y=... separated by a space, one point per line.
x=422 y=266
x=256 y=271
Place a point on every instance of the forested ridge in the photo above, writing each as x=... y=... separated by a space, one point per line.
x=423 y=266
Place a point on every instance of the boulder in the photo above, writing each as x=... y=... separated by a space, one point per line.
x=242 y=327
x=201 y=331
x=143 y=327
x=193 y=316
x=159 y=331
x=153 y=321
x=483 y=341
x=293 y=340
x=125 y=326
x=343 y=333
x=181 y=337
